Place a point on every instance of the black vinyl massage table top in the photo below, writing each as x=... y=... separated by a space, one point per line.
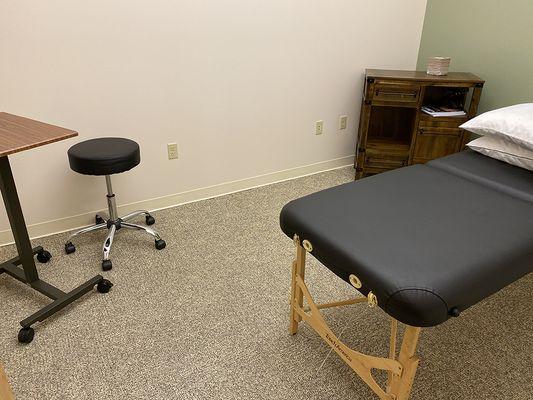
x=428 y=240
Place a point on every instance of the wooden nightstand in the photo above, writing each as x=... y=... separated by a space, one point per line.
x=394 y=132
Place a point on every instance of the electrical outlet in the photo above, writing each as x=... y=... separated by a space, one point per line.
x=343 y=122
x=172 y=149
x=319 y=127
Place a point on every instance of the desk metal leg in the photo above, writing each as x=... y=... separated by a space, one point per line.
x=16 y=219
x=28 y=273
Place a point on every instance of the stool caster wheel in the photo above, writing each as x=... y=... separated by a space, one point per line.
x=107 y=265
x=69 y=248
x=43 y=256
x=104 y=286
x=160 y=244
x=150 y=220
x=98 y=219
x=26 y=335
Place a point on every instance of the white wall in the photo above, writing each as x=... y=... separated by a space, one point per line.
x=237 y=84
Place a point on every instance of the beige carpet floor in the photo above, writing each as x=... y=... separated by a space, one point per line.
x=207 y=317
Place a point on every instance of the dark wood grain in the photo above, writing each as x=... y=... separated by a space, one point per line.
x=434 y=145
x=20 y=133
x=394 y=132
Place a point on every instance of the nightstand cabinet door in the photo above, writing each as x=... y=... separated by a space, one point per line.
x=433 y=143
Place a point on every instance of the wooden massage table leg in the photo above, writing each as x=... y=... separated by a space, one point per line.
x=298 y=270
x=5 y=389
x=400 y=370
x=400 y=386
x=392 y=350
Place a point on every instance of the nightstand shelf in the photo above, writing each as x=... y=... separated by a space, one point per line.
x=429 y=118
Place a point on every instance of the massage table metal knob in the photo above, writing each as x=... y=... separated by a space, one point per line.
x=355 y=281
x=307 y=246
x=454 y=312
x=372 y=299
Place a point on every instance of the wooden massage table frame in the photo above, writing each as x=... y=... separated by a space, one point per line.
x=401 y=368
x=5 y=389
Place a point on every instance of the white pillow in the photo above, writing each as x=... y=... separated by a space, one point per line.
x=514 y=123
x=503 y=150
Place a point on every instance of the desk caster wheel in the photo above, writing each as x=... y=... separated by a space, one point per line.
x=26 y=335
x=150 y=220
x=104 y=286
x=69 y=248
x=160 y=244
x=98 y=219
x=43 y=256
x=107 y=265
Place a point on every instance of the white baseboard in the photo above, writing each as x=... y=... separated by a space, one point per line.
x=77 y=221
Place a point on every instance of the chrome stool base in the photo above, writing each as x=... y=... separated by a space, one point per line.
x=113 y=224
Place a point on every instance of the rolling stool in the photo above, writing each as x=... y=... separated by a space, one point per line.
x=107 y=156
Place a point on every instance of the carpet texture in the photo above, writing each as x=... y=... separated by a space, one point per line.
x=207 y=318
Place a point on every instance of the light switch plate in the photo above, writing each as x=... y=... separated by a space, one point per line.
x=343 y=122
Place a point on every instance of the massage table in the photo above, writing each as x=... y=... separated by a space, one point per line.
x=423 y=243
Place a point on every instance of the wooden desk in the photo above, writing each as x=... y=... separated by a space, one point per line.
x=19 y=134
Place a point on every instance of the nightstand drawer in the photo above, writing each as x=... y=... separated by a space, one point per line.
x=396 y=92
x=385 y=161
x=432 y=130
x=440 y=122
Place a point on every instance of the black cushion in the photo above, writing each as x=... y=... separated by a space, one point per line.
x=423 y=239
x=104 y=156
x=498 y=175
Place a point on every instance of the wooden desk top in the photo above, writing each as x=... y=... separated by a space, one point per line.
x=19 y=134
x=423 y=76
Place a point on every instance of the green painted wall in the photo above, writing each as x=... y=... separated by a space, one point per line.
x=491 y=38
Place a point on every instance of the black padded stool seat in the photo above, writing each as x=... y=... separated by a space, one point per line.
x=104 y=156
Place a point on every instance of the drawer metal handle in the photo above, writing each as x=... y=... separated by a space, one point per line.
x=400 y=94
